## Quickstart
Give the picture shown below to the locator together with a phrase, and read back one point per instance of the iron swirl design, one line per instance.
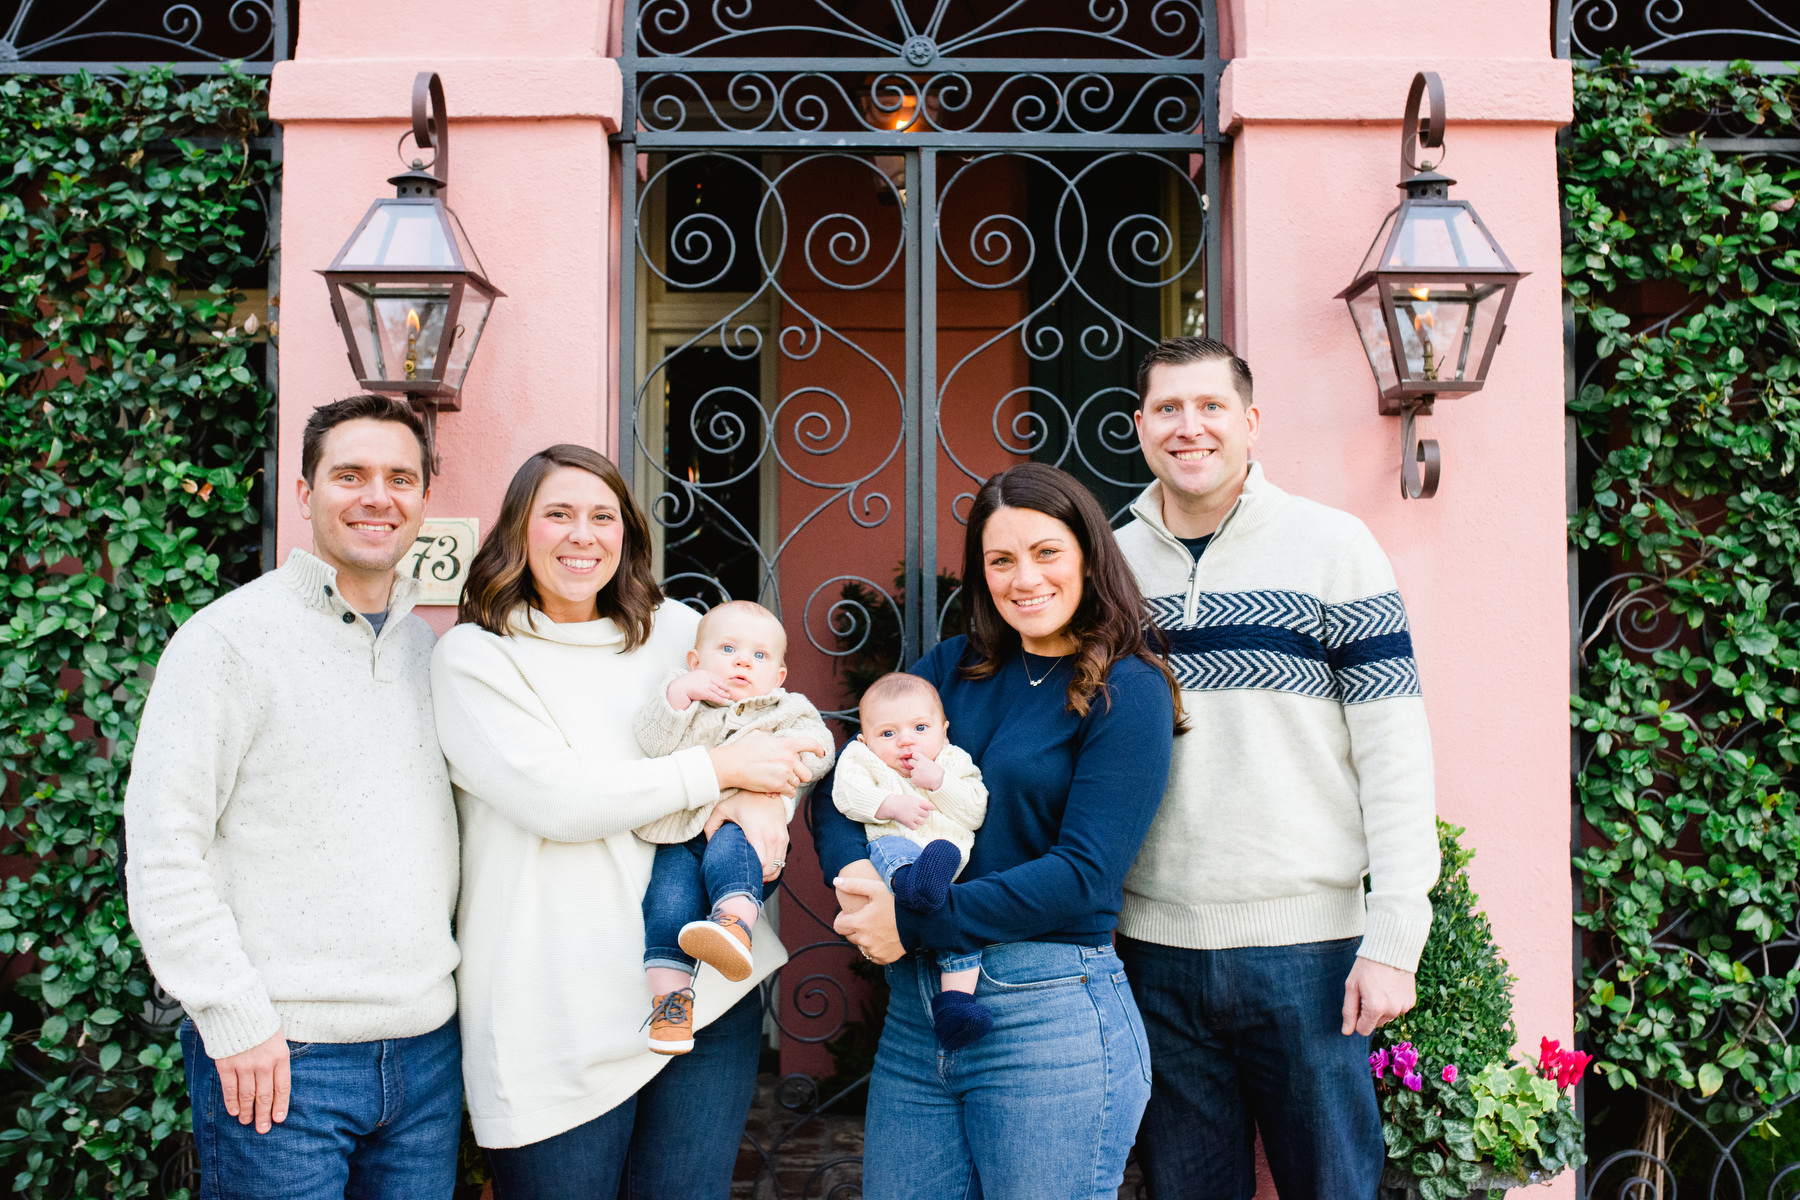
(1665, 29)
(185, 32)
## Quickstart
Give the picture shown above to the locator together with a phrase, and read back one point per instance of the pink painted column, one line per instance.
(1314, 98)
(532, 98)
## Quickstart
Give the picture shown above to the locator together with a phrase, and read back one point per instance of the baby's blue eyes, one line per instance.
(886, 733)
(760, 654)
(921, 727)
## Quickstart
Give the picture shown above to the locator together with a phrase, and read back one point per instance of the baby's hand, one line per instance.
(909, 811)
(924, 771)
(697, 685)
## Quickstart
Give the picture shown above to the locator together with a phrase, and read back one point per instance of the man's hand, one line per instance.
(1375, 994)
(909, 811)
(924, 772)
(697, 685)
(862, 868)
(256, 1083)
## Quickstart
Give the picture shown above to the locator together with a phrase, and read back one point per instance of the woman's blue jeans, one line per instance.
(1046, 1105)
(678, 1137)
(1249, 1040)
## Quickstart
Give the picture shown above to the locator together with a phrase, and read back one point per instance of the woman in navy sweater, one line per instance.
(1058, 698)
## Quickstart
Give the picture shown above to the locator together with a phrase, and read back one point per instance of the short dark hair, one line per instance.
(500, 573)
(1176, 352)
(366, 407)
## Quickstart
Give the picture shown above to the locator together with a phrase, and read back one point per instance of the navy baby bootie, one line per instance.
(925, 885)
(959, 1020)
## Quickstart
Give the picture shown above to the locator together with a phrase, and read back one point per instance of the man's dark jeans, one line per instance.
(1247, 1040)
(368, 1121)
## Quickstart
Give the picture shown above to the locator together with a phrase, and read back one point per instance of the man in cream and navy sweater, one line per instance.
(1258, 962)
(292, 867)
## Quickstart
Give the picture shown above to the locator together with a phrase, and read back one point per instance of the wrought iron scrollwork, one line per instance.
(99, 33)
(1680, 29)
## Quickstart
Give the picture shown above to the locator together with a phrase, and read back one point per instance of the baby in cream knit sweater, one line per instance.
(920, 800)
(705, 894)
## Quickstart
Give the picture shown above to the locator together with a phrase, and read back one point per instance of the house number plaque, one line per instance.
(440, 556)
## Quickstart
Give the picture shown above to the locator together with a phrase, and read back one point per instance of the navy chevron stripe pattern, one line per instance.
(1260, 669)
(1290, 642)
(1380, 680)
(1361, 619)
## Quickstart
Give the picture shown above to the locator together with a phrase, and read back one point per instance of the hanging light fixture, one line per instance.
(1431, 296)
(408, 291)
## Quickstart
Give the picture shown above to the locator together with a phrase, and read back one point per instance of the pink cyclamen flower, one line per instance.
(1405, 1058)
(1378, 1063)
(1413, 1081)
(1450, 1073)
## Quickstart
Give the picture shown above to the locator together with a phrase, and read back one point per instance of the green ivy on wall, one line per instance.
(131, 417)
(1690, 687)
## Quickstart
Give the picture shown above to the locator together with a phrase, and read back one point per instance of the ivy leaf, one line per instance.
(1711, 1078)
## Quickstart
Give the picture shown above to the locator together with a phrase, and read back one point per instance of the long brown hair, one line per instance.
(1111, 620)
(500, 576)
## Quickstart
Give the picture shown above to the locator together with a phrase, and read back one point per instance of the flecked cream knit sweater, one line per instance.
(550, 782)
(664, 729)
(291, 836)
(1309, 761)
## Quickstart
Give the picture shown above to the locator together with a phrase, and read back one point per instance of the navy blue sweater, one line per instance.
(1069, 801)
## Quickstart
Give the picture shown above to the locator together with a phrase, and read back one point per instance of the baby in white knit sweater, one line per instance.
(920, 800)
(705, 894)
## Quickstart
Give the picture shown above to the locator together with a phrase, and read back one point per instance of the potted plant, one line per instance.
(1460, 1116)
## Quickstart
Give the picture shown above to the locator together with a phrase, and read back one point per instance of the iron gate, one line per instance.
(878, 251)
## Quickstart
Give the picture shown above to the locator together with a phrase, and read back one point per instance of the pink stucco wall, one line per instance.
(1313, 100)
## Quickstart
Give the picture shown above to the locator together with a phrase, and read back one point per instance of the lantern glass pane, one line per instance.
(1365, 310)
(1441, 236)
(1372, 259)
(1444, 327)
(469, 322)
(401, 235)
(470, 261)
(398, 327)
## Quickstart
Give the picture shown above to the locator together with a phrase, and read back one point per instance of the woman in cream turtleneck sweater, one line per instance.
(561, 637)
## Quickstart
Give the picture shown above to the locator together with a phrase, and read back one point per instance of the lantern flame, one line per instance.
(412, 321)
(411, 366)
(1419, 293)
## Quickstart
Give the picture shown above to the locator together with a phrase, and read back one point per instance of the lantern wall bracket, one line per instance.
(1417, 453)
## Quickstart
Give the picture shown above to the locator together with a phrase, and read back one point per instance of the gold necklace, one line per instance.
(1045, 675)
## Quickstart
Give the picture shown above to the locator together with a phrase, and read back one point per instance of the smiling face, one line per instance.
(1196, 432)
(902, 723)
(744, 645)
(573, 540)
(365, 501)
(1032, 563)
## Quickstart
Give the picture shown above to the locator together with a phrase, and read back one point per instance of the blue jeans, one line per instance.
(367, 1121)
(887, 855)
(1046, 1105)
(1248, 1040)
(678, 1137)
(687, 881)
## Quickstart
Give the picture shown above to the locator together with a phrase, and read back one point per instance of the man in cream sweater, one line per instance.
(292, 866)
(1259, 966)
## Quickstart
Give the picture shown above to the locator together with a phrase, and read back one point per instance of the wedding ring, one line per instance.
(779, 863)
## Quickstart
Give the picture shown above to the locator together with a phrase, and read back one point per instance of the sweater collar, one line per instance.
(530, 622)
(314, 581)
(1258, 499)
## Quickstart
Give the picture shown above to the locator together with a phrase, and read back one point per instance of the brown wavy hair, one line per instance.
(500, 575)
(1111, 623)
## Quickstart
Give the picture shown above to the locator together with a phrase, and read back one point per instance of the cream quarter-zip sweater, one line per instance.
(550, 782)
(1308, 764)
(292, 839)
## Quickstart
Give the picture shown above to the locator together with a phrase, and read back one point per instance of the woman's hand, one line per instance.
(764, 820)
(762, 762)
(870, 924)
